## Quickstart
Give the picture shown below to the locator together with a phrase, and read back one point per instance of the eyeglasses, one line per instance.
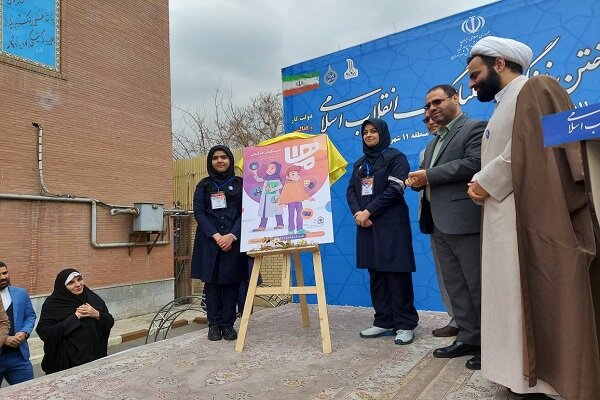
(435, 102)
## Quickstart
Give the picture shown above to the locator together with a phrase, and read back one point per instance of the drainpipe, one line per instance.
(43, 189)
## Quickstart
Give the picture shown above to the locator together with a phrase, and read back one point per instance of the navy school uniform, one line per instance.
(385, 248)
(387, 245)
(222, 272)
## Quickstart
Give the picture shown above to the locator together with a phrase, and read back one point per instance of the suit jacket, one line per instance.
(23, 315)
(450, 209)
(4, 325)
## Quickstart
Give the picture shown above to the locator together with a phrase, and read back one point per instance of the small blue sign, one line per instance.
(572, 126)
(30, 31)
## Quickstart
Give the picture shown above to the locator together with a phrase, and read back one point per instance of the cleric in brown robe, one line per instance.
(540, 297)
(559, 271)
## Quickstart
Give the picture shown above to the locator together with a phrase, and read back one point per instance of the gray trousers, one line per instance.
(442, 285)
(459, 259)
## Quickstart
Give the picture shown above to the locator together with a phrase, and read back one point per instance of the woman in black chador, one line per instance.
(216, 258)
(383, 239)
(74, 324)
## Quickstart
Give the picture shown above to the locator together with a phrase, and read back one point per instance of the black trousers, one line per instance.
(393, 299)
(221, 301)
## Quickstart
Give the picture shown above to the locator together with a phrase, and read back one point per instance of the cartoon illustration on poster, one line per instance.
(286, 193)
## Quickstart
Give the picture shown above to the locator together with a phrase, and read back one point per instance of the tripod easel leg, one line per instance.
(322, 302)
(239, 344)
(300, 282)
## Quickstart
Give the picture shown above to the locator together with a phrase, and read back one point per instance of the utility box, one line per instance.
(150, 217)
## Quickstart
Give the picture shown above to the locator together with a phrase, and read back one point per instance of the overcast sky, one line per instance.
(242, 45)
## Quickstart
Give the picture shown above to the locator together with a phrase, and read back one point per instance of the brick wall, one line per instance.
(107, 135)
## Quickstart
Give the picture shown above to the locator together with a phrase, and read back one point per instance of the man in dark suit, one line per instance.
(449, 163)
(15, 366)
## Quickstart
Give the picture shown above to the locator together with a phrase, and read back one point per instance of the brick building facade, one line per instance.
(106, 135)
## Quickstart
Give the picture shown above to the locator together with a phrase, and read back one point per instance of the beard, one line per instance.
(487, 89)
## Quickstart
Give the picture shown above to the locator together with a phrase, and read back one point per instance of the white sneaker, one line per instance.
(376, 331)
(404, 337)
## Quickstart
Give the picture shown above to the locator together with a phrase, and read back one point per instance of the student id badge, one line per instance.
(217, 200)
(367, 186)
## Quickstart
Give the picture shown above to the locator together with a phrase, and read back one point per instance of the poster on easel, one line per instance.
(286, 193)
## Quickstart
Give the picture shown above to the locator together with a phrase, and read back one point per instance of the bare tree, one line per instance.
(229, 124)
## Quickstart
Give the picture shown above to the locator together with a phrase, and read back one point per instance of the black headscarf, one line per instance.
(275, 176)
(220, 177)
(62, 303)
(372, 153)
(69, 341)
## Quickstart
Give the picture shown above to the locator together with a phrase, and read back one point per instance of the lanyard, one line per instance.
(368, 167)
(223, 184)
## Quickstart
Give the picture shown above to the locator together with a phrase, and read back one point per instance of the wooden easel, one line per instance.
(286, 289)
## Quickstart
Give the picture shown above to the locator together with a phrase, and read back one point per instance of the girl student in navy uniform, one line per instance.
(216, 258)
(383, 236)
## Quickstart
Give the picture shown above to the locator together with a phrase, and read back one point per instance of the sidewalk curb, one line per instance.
(114, 340)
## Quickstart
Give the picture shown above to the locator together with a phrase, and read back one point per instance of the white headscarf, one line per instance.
(508, 49)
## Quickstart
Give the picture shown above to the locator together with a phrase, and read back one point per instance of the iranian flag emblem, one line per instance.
(295, 84)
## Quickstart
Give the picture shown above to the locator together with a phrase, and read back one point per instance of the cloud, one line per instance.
(241, 46)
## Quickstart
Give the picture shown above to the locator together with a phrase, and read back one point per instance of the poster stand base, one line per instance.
(287, 289)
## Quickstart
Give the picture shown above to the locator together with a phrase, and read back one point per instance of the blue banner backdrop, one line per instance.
(30, 31)
(388, 78)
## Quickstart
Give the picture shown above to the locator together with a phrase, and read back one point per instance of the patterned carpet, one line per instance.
(281, 360)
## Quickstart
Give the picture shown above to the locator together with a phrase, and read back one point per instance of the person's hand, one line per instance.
(217, 237)
(417, 179)
(368, 223)
(15, 341)
(87, 311)
(476, 192)
(225, 242)
(361, 217)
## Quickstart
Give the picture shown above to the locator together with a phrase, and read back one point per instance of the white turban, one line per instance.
(508, 49)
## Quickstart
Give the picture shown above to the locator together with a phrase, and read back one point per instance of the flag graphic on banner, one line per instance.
(301, 83)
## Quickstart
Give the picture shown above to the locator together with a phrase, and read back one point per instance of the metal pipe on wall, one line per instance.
(93, 203)
(40, 129)
(121, 211)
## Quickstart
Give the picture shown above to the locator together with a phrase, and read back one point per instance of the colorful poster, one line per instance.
(286, 193)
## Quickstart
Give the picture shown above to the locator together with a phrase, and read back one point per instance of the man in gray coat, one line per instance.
(454, 221)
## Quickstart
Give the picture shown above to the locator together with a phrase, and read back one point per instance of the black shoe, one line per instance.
(528, 396)
(474, 363)
(456, 349)
(229, 333)
(214, 333)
